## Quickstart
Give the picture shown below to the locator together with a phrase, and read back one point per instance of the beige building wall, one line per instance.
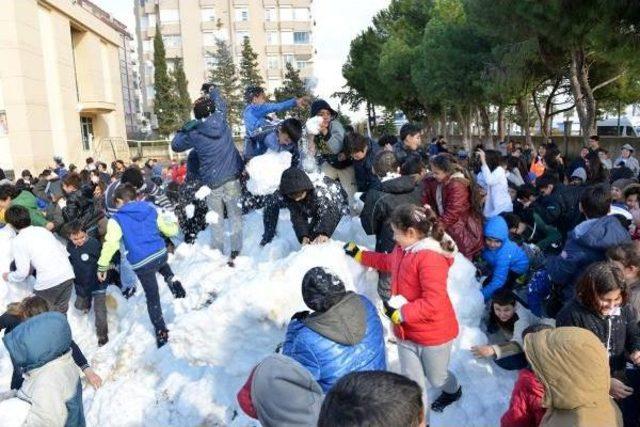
(59, 63)
(190, 27)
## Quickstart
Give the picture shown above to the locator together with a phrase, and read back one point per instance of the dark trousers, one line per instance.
(98, 299)
(147, 277)
(512, 363)
(58, 297)
(272, 205)
(630, 406)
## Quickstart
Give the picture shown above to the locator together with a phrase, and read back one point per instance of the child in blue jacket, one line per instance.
(138, 225)
(506, 262)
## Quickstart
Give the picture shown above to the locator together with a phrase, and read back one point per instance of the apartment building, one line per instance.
(280, 32)
(60, 83)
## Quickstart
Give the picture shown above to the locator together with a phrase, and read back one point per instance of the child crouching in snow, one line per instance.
(138, 225)
(425, 323)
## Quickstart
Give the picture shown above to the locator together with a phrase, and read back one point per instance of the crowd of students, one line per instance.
(553, 245)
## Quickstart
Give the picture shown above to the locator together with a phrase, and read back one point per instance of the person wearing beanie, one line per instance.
(617, 190)
(626, 157)
(316, 208)
(281, 392)
(342, 334)
(330, 149)
(578, 176)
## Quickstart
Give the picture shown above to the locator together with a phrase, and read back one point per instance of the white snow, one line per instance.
(190, 210)
(313, 125)
(230, 320)
(265, 172)
(211, 217)
(202, 192)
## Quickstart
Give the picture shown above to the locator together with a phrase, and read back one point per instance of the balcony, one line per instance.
(295, 3)
(269, 3)
(302, 51)
(273, 48)
(241, 25)
(209, 26)
(271, 26)
(296, 25)
(274, 73)
(173, 52)
(170, 29)
(207, 2)
(240, 2)
(96, 107)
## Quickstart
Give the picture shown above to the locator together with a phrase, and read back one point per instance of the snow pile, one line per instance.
(230, 320)
(265, 172)
(202, 192)
(211, 217)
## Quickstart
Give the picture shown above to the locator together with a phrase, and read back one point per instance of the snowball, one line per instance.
(266, 170)
(13, 412)
(202, 193)
(313, 125)
(397, 301)
(211, 217)
(190, 210)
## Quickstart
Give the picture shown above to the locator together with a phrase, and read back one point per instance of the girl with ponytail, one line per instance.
(420, 309)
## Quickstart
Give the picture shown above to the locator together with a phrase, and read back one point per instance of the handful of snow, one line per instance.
(313, 125)
(211, 217)
(265, 172)
(202, 192)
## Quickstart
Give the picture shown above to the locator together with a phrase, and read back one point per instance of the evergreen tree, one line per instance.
(387, 125)
(225, 77)
(293, 87)
(163, 105)
(183, 101)
(249, 72)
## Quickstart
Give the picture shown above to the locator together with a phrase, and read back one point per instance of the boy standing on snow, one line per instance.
(138, 225)
(84, 252)
(37, 248)
(220, 164)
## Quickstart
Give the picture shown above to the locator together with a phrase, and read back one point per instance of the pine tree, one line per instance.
(249, 72)
(164, 104)
(293, 87)
(225, 77)
(183, 101)
(387, 125)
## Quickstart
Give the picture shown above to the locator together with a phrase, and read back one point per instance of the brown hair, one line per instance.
(449, 165)
(422, 219)
(34, 305)
(628, 254)
(73, 180)
(15, 309)
(599, 279)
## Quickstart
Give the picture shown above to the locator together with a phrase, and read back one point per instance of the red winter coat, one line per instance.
(459, 221)
(419, 274)
(525, 408)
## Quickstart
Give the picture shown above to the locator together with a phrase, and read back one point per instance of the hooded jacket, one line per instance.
(211, 138)
(561, 208)
(329, 146)
(572, 365)
(363, 170)
(455, 212)
(403, 153)
(346, 338)
(525, 406)
(380, 203)
(419, 273)
(619, 333)
(255, 114)
(40, 347)
(586, 244)
(28, 201)
(507, 258)
(322, 208)
(281, 393)
(80, 207)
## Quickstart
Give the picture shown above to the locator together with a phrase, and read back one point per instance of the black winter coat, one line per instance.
(79, 206)
(617, 333)
(561, 208)
(380, 202)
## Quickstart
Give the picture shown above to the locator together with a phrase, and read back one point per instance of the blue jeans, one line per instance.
(147, 276)
(128, 277)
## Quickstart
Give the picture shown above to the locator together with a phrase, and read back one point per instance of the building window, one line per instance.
(152, 20)
(86, 127)
(208, 14)
(209, 61)
(4, 125)
(301, 37)
(151, 92)
(301, 65)
(287, 37)
(209, 38)
(144, 22)
(147, 46)
(270, 15)
(172, 42)
(242, 14)
(286, 14)
(169, 16)
(272, 38)
(274, 62)
(301, 14)
(240, 35)
(288, 58)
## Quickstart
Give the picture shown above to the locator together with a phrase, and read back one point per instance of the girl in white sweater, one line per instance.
(493, 177)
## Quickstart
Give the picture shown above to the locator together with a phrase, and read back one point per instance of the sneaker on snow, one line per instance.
(162, 337)
(176, 289)
(129, 292)
(446, 399)
(232, 257)
(264, 242)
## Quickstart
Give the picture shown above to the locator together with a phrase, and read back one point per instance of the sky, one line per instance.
(337, 23)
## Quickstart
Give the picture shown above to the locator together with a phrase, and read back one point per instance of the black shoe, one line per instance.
(102, 341)
(264, 242)
(232, 257)
(129, 292)
(162, 337)
(176, 289)
(445, 400)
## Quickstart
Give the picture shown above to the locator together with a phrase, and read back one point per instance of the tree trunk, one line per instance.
(501, 132)
(582, 93)
(464, 123)
(522, 106)
(444, 129)
(485, 120)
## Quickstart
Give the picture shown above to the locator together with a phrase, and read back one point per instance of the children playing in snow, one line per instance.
(138, 226)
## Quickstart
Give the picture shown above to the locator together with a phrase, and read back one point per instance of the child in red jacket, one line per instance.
(420, 309)
(525, 407)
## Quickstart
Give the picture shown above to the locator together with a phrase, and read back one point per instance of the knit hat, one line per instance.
(294, 180)
(627, 147)
(321, 104)
(321, 289)
(580, 173)
(623, 183)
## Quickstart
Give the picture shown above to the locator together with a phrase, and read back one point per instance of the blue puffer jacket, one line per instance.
(140, 234)
(347, 338)
(255, 114)
(255, 147)
(587, 243)
(509, 257)
(41, 348)
(211, 138)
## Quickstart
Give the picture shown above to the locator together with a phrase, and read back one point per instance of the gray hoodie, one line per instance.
(285, 394)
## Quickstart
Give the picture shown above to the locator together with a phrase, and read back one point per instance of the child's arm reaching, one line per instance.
(110, 246)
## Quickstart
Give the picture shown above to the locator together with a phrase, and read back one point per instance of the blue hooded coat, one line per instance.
(140, 234)
(255, 114)
(509, 257)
